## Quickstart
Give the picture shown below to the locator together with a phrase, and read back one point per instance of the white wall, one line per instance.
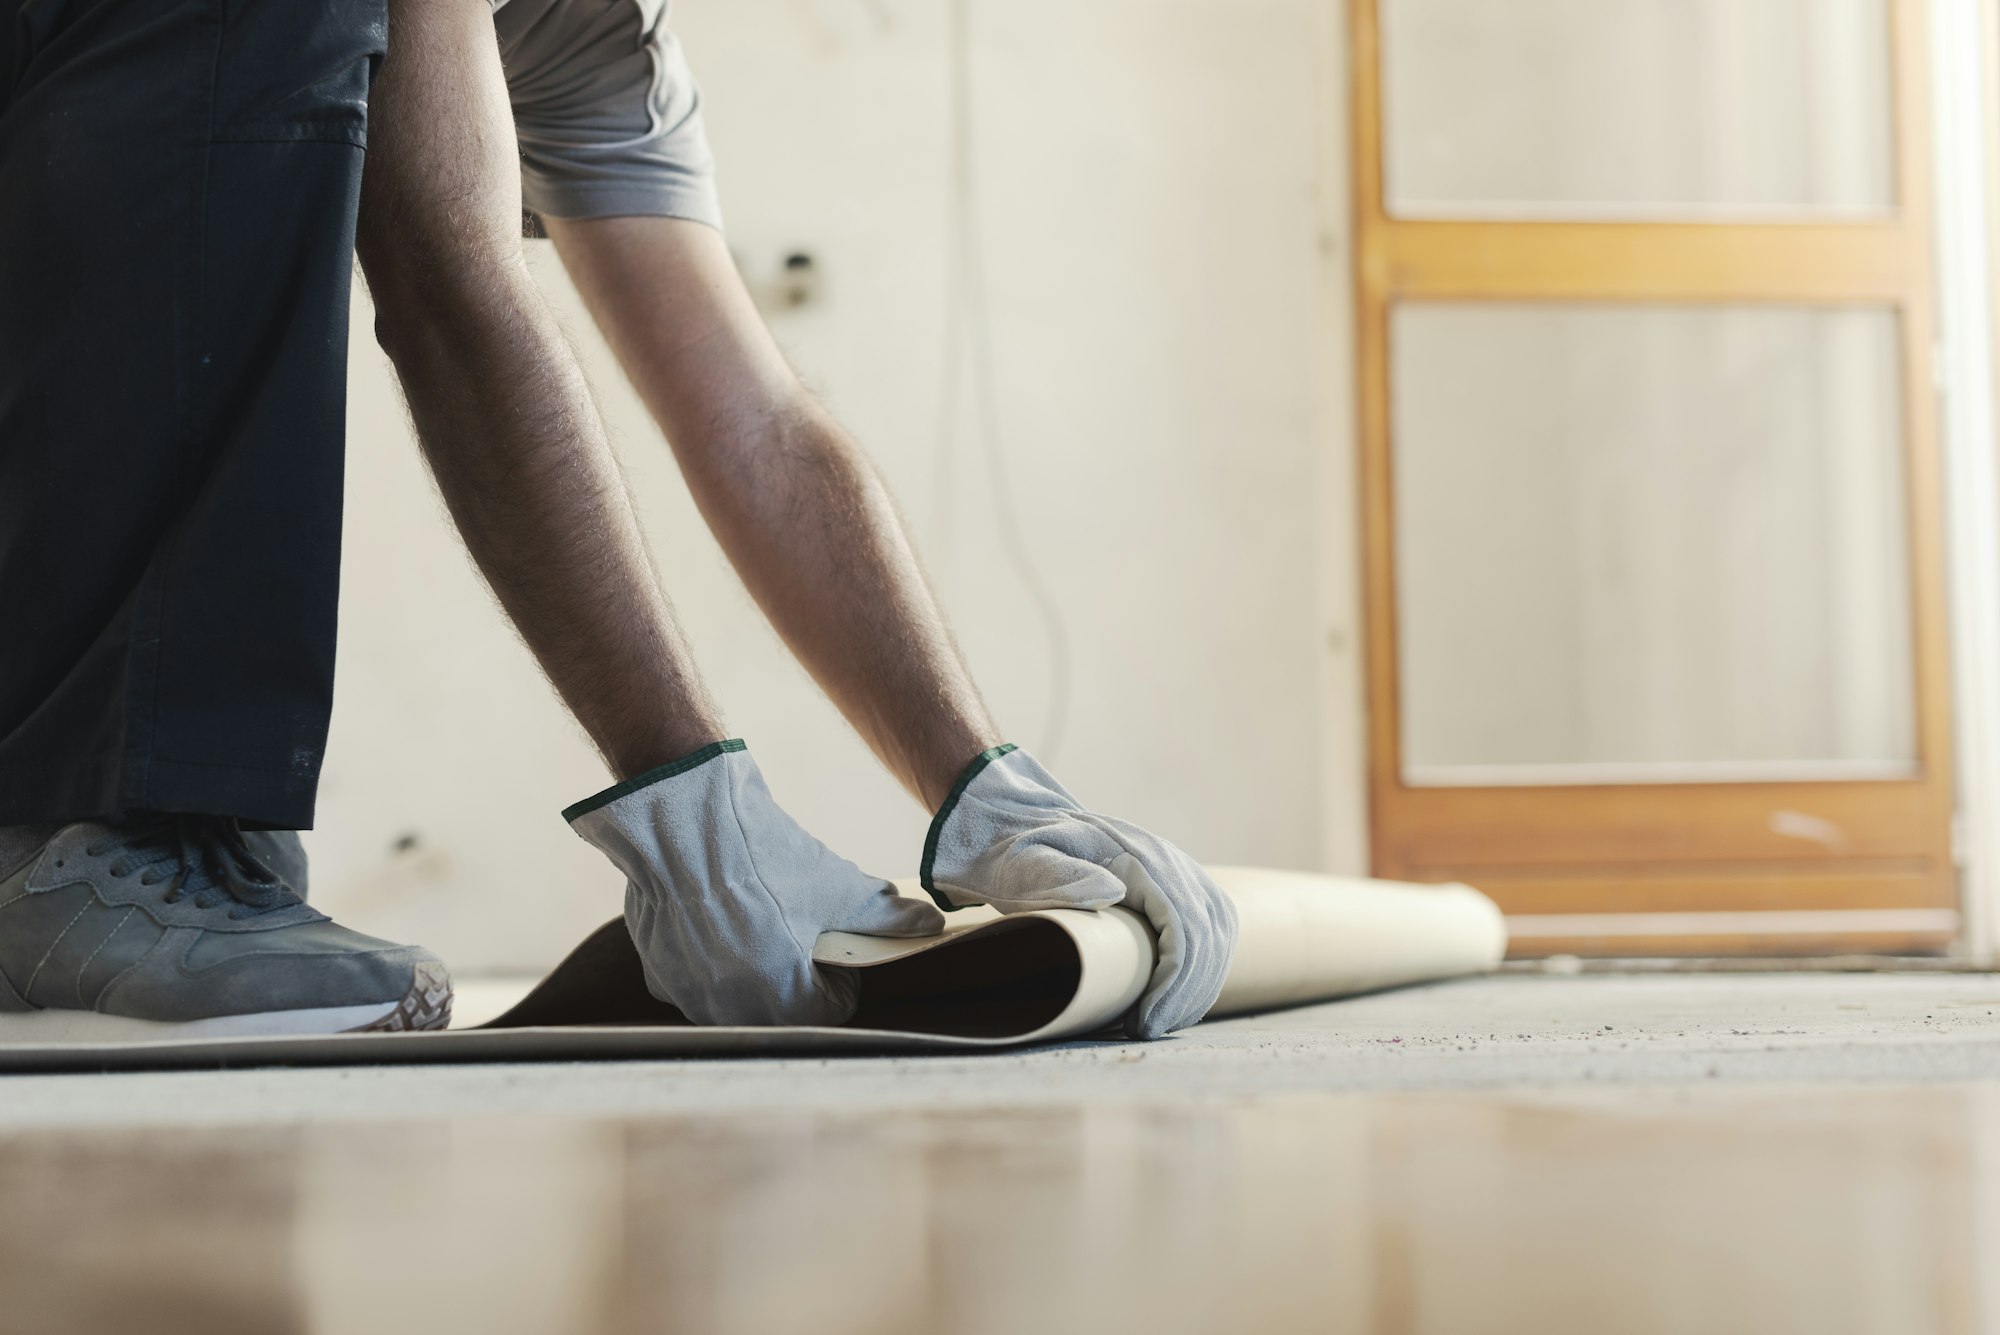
(1164, 213)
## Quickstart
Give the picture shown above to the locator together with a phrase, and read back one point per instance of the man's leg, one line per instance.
(178, 184)
(500, 404)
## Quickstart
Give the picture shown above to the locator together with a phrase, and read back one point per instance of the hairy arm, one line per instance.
(796, 505)
(500, 405)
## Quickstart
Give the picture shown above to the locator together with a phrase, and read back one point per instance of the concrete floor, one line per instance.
(1507, 1032)
(1513, 1154)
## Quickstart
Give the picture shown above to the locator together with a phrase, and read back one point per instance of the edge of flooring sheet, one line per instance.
(1004, 981)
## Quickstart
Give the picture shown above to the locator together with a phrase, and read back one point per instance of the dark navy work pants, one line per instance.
(178, 185)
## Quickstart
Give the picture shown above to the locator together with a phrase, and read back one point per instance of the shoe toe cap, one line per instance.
(319, 965)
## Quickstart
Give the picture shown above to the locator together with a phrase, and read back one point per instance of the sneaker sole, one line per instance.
(427, 1005)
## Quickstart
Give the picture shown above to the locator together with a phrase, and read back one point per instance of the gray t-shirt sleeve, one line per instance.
(606, 111)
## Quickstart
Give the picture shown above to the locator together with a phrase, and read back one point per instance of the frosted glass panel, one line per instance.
(1590, 108)
(1649, 543)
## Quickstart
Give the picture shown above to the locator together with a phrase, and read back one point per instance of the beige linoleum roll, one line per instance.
(1303, 937)
(1306, 937)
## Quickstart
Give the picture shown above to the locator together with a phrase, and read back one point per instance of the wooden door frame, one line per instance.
(1965, 55)
(1687, 860)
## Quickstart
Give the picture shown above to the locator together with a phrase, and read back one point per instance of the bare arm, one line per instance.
(500, 405)
(796, 505)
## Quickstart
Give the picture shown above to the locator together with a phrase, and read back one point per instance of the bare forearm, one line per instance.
(534, 490)
(809, 525)
(797, 507)
(500, 405)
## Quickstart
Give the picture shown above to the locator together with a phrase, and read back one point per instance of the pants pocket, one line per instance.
(299, 69)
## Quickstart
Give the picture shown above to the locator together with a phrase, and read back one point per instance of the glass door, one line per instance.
(1649, 476)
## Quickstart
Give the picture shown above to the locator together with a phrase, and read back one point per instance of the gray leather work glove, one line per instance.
(725, 893)
(1011, 836)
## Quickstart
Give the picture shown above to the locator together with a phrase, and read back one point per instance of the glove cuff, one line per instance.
(692, 760)
(964, 781)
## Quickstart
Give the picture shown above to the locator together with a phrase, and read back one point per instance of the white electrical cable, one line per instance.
(969, 333)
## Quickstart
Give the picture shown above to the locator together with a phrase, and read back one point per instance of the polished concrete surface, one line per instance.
(1809, 1154)
(1823, 1210)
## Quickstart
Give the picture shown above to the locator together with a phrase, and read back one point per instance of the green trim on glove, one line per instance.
(653, 776)
(979, 762)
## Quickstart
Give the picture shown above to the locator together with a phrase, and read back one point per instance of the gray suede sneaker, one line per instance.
(170, 927)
